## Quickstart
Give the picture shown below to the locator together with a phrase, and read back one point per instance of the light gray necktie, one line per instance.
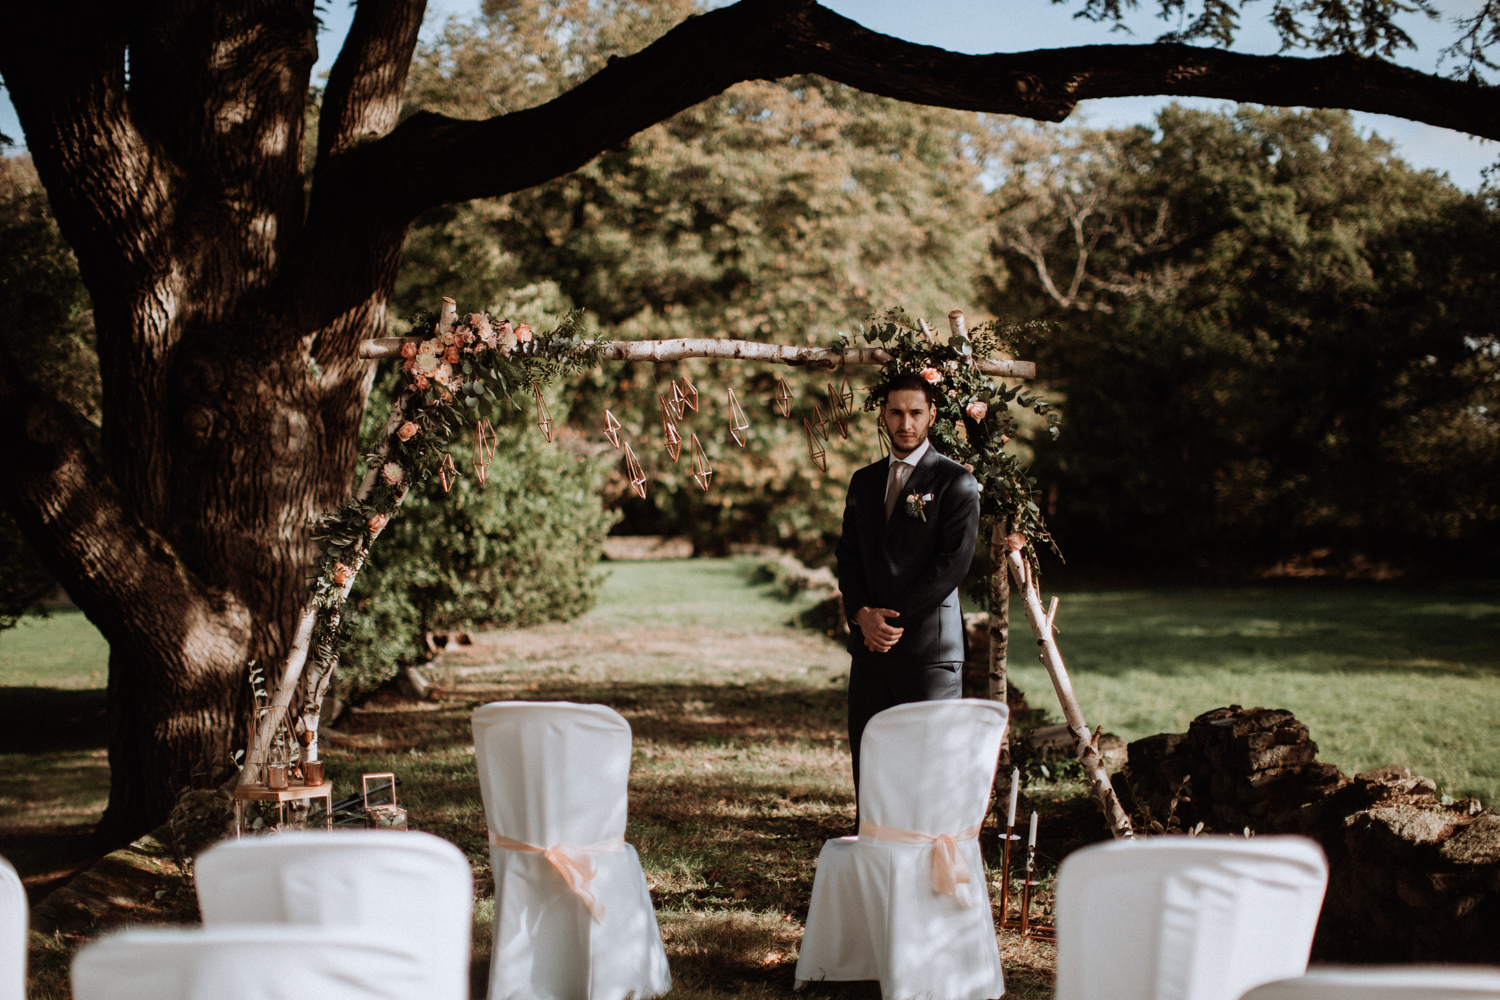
(900, 471)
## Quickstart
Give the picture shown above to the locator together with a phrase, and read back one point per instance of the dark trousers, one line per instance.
(877, 683)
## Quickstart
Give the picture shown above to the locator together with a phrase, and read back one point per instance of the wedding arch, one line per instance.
(465, 364)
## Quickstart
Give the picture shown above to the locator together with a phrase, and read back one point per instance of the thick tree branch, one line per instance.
(431, 159)
(365, 85)
(119, 572)
(64, 66)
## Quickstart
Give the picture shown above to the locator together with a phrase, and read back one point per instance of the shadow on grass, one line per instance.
(43, 720)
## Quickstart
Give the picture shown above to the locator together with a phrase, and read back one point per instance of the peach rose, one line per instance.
(977, 409)
(451, 355)
(932, 375)
(421, 382)
(408, 350)
(393, 473)
(523, 333)
(1015, 542)
(377, 523)
(407, 431)
(342, 574)
(409, 365)
(447, 338)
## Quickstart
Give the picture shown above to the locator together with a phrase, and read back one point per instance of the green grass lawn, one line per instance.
(1380, 673)
(63, 650)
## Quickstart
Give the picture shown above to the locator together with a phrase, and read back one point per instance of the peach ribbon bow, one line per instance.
(573, 863)
(950, 876)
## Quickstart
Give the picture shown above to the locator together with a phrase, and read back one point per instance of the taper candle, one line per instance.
(1015, 791)
(1031, 841)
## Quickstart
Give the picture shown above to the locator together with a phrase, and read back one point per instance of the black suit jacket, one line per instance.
(911, 566)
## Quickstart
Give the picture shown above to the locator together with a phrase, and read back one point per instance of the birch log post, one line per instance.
(291, 673)
(1088, 751)
(998, 686)
(732, 350)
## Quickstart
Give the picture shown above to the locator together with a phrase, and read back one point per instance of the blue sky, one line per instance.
(1018, 25)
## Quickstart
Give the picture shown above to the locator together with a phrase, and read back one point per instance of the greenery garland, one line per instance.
(974, 419)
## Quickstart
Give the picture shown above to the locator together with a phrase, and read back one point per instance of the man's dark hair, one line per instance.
(903, 382)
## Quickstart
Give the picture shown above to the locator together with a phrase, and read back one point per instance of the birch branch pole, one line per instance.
(730, 350)
(1085, 744)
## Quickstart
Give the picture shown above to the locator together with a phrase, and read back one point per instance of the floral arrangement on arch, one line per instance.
(974, 419)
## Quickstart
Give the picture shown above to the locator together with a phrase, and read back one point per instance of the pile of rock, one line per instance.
(1412, 879)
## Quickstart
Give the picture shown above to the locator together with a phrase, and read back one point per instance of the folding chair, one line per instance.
(1396, 982)
(13, 917)
(573, 914)
(408, 887)
(906, 901)
(1186, 918)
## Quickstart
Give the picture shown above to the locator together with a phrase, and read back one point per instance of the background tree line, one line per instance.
(1270, 336)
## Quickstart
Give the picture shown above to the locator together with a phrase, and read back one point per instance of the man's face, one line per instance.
(908, 417)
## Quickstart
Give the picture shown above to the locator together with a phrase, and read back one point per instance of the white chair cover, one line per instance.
(879, 909)
(1186, 918)
(408, 887)
(13, 915)
(554, 778)
(246, 962)
(1396, 982)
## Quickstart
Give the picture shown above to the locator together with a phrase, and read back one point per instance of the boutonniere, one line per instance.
(916, 505)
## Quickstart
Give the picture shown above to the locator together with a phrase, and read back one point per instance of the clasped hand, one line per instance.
(879, 637)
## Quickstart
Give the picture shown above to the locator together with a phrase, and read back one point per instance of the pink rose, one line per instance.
(932, 375)
(377, 523)
(977, 409)
(342, 574)
(1015, 542)
(523, 333)
(393, 473)
(407, 431)
(421, 382)
(409, 350)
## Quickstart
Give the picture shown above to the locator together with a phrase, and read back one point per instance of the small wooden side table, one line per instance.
(281, 796)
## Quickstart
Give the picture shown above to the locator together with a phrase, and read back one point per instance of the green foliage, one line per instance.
(521, 550)
(776, 211)
(1301, 356)
(46, 341)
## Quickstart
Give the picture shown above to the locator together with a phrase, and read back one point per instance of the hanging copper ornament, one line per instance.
(837, 411)
(669, 432)
(447, 472)
(819, 456)
(820, 422)
(635, 473)
(702, 471)
(738, 424)
(612, 429)
(846, 397)
(884, 436)
(677, 400)
(543, 415)
(485, 442)
(689, 394)
(784, 397)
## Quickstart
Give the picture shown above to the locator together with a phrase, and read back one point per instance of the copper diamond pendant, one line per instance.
(689, 394)
(784, 397)
(738, 424)
(447, 472)
(838, 410)
(820, 422)
(484, 449)
(671, 436)
(543, 415)
(819, 456)
(612, 429)
(702, 471)
(677, 400)
(635, 473)
(884, 437)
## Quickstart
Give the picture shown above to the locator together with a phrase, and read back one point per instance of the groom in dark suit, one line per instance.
(910, 523)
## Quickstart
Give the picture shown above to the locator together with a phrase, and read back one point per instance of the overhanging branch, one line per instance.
(431, 159)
